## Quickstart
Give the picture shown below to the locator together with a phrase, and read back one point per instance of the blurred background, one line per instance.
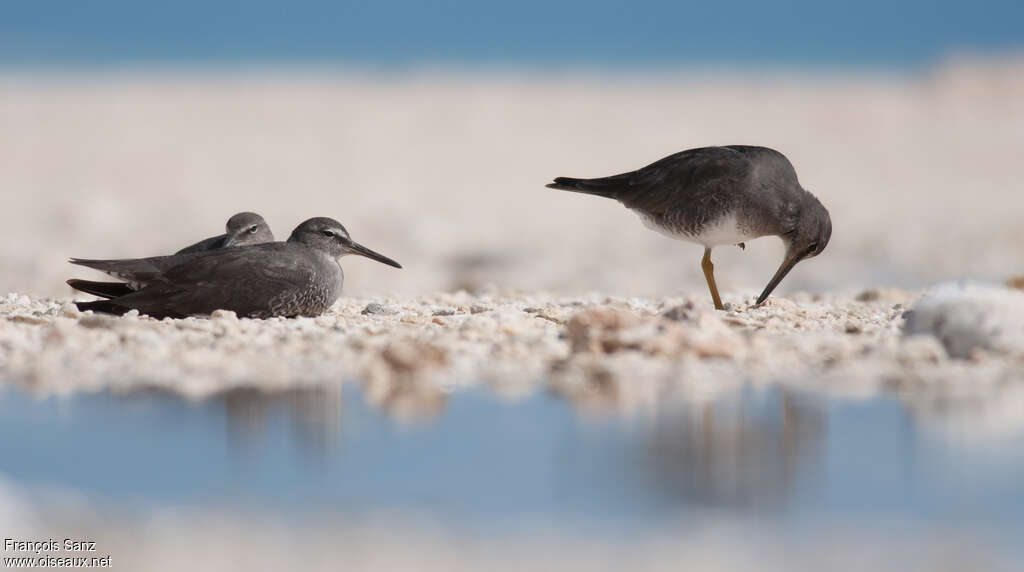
(429, 129)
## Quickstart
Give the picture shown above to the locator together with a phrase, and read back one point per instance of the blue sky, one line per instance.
(649, 33)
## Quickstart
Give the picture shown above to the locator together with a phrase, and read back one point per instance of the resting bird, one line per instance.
(720, 195)
(241, 229)
(299, 277)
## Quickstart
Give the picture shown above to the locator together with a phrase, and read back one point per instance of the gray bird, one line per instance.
(720, 195)
(299, 277)
(241, 229)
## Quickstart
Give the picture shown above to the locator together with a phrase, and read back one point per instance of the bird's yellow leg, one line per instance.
(709, 275)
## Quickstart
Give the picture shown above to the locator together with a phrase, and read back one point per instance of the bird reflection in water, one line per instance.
(314, 414)
(744, 452)
(405, 380)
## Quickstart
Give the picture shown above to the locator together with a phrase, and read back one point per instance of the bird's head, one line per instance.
(327, 235)
(247, 228)
(812, 232)
(808, 238)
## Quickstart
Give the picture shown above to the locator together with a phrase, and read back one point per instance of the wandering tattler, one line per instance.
(299, 277)
(241, 229)
(720, 195)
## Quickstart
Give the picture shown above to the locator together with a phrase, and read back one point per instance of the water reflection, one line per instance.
(742, 452)
(543, 457)
(406, 400)
(972, 417)
(745, 449)
(314, 414)
(406, 381)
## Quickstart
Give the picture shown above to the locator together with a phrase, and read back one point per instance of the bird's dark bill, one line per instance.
(361, 250)
(784, 269)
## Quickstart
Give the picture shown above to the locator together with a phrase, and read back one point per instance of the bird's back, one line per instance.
(689, 192)
(205, 245)
(270, 279)
(685, 176)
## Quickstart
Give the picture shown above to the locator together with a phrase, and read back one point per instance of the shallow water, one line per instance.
(782, 460)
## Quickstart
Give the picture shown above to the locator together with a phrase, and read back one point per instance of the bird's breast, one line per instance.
(725, 229)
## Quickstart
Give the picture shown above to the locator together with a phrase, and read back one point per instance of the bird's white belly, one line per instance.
(725, 230)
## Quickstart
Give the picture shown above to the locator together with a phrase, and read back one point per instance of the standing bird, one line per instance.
(299, 277)
(241, 229)
(720, 195)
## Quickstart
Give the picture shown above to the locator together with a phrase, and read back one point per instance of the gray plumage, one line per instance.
(241, 229)
(299, 277)
(713, 195)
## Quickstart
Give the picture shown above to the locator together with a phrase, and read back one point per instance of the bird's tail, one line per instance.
(609, 187)
(130, 269)
(101, 289)
(102, 306)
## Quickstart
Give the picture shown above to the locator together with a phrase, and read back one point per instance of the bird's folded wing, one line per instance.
(692, 175)
(244, 279)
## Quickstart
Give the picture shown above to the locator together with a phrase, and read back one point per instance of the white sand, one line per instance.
(630, 353)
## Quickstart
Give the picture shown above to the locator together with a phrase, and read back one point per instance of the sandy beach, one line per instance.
(513, 289)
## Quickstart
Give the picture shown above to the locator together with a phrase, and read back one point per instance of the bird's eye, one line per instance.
(813, 247)
(253, 229)
(328, 233)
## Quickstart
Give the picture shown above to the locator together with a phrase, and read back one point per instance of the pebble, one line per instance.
(374, 308)
(70, 310)
(968, 317)
(227, 315)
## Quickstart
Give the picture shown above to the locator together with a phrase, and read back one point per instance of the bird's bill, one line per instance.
(230, 240)
(784, 269)
(356, 248)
